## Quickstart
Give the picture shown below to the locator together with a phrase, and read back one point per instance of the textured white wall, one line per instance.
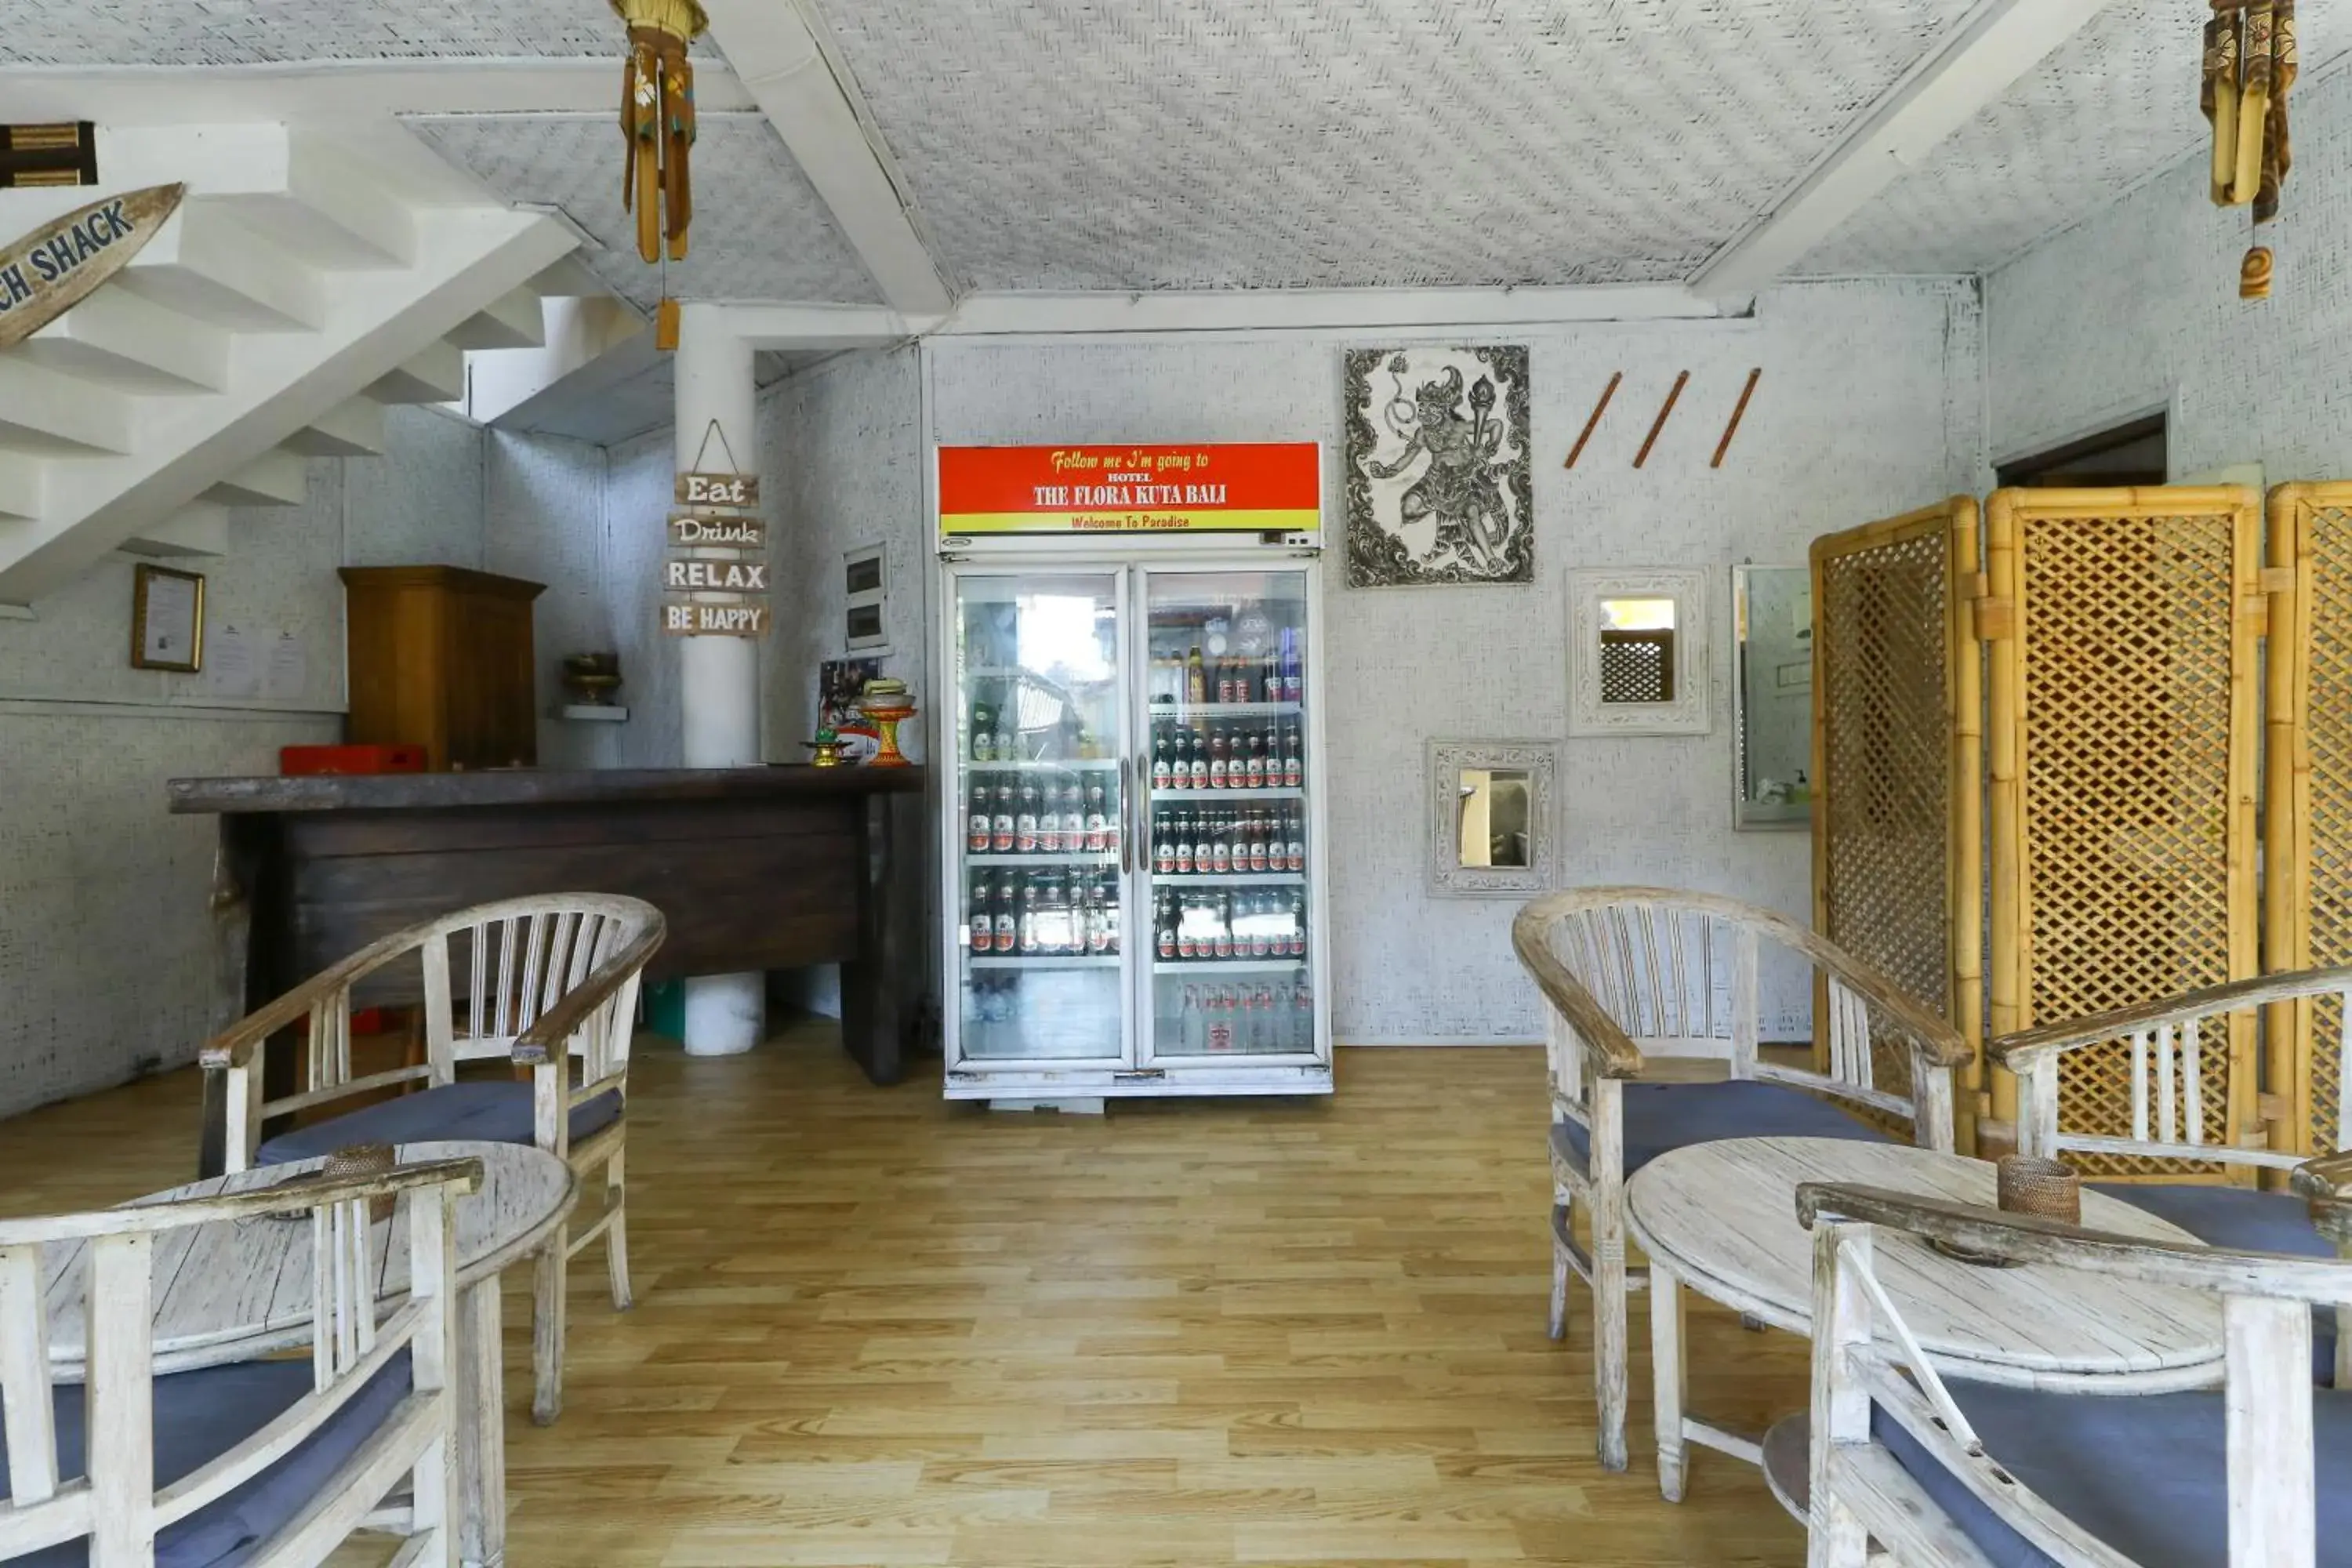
(845, 460)
(105, 958)
(1869, 405)
(2137, 308)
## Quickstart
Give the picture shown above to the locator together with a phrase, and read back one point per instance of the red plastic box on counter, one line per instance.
(299, 761)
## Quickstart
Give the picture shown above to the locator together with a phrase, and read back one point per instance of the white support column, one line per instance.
(719, 675)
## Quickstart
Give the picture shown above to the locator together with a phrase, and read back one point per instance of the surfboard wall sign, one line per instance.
(53, 268)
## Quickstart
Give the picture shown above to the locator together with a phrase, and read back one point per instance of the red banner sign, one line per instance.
(1229, 488)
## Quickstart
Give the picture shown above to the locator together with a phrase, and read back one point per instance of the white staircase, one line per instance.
(305, 282)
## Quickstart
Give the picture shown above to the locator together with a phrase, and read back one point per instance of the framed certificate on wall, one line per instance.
(167, 619)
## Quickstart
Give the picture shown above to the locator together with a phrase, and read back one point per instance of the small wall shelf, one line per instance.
(594, 712)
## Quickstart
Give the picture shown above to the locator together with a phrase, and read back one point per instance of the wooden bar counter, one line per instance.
(755, 869)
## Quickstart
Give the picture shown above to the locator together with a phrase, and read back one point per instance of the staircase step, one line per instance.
(205, 263)
(301, 188)
(353, 429)
(511, 322)
(280, 478)
(45, 412)
(436, 376)
(200, 527)
(20, 486)
(126, 341)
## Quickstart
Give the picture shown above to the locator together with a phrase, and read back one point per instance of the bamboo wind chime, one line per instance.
(657, 120)
(2250, 66)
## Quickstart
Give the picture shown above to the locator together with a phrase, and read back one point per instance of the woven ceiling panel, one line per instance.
(2115, 105)
(255, 32)
(760, 231)
(1203, 144)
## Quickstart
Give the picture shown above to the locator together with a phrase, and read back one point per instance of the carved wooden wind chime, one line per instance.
(657, 123)
(2250, 66)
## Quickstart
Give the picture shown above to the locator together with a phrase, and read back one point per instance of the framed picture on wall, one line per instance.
(167, 619)
(866, 591)
(1439, 486)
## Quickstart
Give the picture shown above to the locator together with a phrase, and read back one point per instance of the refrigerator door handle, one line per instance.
(1126, 816)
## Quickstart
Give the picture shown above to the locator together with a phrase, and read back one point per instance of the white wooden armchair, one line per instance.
(2173, 1118)
(1894, 1463)
(1629, 970)
(541, 982)
(270, 1463)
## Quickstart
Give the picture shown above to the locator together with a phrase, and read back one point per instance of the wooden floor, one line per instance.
(875, 1329)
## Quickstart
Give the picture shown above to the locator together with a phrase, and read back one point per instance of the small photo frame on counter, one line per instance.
(167, 619)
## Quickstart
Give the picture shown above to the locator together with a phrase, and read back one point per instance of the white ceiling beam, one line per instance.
(817, 326)
(1316, 309)
(353, 89)
(1998, 42)
(777, 56)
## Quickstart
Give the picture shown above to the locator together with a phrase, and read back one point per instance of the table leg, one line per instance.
(1666, 1377)
(482, 1415)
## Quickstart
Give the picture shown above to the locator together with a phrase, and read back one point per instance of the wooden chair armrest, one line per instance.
(2022, 1049)
(234, 1045)
(2326, 1178)
(545, 1041)
(1607, 1047)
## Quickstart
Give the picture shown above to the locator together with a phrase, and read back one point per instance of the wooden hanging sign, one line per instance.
(715, 576)
(699, 531)
(718, 489)
(688, 618)
(54, 269)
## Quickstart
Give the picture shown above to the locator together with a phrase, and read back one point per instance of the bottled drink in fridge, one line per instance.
(1097, 821)
(1224, 935)
(1183, 851)
(1217, 760)
(1024, 824)
(1196, 678)
(1254, 769)
(1001, 825)
(1162, 763)
(976, 834)
(1294, 759)
(1197, 754)
(1164, 920)
(1049, 818)
(1295, 851)
(983, 734)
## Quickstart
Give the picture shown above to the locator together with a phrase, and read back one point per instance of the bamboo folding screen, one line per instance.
(2123, 641)
(1897, 761)
(2308, 802)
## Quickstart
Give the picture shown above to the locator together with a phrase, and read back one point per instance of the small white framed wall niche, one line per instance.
(1492, 833)
(1639, 654)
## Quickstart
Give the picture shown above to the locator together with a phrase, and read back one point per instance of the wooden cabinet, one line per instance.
(441, 657)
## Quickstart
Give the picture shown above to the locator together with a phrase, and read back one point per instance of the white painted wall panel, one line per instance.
(1868, 406)
(2137, 307)
(104, 935)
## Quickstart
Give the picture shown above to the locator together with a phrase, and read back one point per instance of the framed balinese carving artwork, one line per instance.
(1441, 486)
(1638, 660)
(1490, 818)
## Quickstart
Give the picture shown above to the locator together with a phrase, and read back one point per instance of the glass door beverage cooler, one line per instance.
(1135, 841)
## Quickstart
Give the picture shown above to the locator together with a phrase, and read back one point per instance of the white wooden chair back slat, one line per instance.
(27, 1419)
(2165, 1046)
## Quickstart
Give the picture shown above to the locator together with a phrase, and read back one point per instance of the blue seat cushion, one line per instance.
(2245, 1220)
(1663, 1116)
(477, 1110)
(199, 1417)
(2147, 1475)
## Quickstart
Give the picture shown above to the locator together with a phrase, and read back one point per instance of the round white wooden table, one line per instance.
(1721, 1218)
(239, 1290)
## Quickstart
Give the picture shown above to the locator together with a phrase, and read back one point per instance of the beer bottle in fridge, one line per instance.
(1164, 920)
(1161, 761)
(1000, 833)
(1199, 749)
(1097, 820)
(1025, 825)
(1196, 678)
(1217, 759)
(1184, 844)
(976, 832)
(1049, 818)
(1294, 759)
(1223, 939)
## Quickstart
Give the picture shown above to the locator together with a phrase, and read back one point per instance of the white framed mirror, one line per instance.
(1771, 697)
(1491, 834)
(1638, 660)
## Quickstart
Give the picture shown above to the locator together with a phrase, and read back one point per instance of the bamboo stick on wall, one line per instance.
(1965, 880)
(2005, 809)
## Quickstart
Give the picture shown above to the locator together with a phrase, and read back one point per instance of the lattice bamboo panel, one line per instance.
(1896, 756)
(2308, 829)
(2125, 631)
